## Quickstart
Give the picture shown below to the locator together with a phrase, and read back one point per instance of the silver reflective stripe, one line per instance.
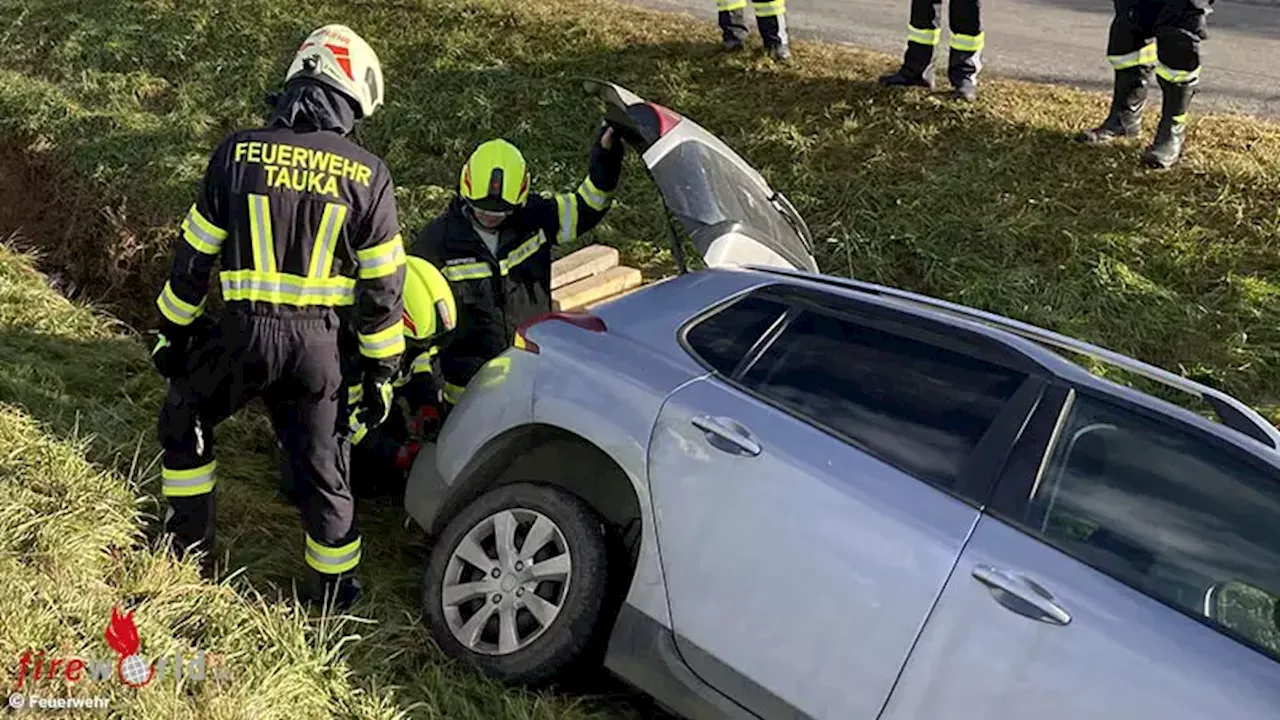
(201, 479)
(325, 560)
(260, 221)
(597, 200)
(524, 252)
(242, 284)
(334, 215)
(194, 228)
(177, 311)
(383, 259)
(381, 344)
(566, 218)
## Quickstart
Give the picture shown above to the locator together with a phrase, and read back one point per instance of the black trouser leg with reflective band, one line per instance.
(967, 41)
(294, 365)
(771, 19)
(925, 32)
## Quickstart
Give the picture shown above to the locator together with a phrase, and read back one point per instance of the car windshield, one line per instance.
(711, 191)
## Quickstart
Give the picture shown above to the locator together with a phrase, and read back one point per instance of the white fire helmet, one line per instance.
(335, 55)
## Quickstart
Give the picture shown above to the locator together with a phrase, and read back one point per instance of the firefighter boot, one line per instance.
(333, 592)
(1167, 147)
(1127, 101)
(773, 30)
(733, 28)
(916, 70)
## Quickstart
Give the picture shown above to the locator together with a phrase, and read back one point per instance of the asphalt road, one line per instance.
(1059, 41)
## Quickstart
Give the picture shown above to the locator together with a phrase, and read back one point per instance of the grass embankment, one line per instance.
(77, 408)
(108, 110)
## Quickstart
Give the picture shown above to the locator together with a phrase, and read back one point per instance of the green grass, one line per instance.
(109, 109)
(77, 519)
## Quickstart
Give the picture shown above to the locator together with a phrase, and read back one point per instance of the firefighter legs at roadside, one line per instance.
(923, 35)
(771, 19)
(293, 365)
(1147, 36)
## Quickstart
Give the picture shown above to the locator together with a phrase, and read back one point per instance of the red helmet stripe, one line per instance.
(343, 56)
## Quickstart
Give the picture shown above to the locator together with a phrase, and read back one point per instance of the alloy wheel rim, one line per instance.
(506, 581)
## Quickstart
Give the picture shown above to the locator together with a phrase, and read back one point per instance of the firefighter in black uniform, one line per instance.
(303, 224)
(494, 244)
(923, 35)
(1159, 35)
(771, 20)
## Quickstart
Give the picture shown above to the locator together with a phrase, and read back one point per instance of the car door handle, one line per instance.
(1021, 595)
(727, 430)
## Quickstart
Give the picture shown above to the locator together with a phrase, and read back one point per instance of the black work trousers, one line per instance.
(771, 20)
(293, 364)
(967, 38)
(1175, 27)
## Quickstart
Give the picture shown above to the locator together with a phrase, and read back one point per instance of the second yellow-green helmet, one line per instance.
(495, 178)
(429, 306)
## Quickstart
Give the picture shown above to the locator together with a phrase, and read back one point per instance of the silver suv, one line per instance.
(759, 492)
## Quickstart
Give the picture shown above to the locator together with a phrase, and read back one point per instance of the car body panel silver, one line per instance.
(1122, 655)
(807, 569)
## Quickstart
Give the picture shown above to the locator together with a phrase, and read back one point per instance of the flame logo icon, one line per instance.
(122, 636)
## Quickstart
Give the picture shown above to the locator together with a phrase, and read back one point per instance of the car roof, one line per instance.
(1242, 426)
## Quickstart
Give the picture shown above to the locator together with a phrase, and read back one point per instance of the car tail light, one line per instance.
(584, 320)
(667, 118)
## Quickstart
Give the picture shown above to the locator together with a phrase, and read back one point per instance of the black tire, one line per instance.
(569, 636)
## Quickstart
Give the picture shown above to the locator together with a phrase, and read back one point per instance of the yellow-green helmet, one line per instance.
(429, 307)
(495, 178)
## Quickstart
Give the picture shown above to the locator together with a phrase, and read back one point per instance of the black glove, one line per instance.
(374, 404)
(169, 354)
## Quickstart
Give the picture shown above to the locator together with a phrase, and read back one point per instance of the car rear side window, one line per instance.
(1168, 512)
(919, 407)
(722, 339)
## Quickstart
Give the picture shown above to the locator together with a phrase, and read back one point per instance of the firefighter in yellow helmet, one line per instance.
(494, 241)
(381, 455)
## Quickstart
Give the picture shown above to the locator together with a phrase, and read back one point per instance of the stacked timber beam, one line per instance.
(590, 276)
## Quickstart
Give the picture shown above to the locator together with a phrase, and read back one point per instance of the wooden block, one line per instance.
(615, 296)
(581, 264)
(595, 288)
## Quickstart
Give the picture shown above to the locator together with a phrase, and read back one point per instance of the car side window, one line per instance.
(723, 338)
(1167, 512)
(912, 404)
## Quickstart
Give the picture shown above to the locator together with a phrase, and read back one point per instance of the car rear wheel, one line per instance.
(516, 583)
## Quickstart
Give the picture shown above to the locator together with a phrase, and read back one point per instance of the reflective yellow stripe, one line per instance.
(968, 43)
(730, 5)
(381, 260)
(1145, 56)
(326, 244)
(177, 310)
(467, 271)
(1179, 119)
(286, 289)
(596, 198)
(421, 364)
(1177, 76)
(358, 429)
(385, 343)
(186, 483)
(523, 252)
(333, 560)
(355, 393)
(264, 246)
(770, 9)
(568, 206)
(452, 393)
(923, 36)
(201, 234)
